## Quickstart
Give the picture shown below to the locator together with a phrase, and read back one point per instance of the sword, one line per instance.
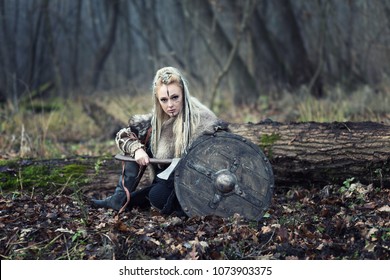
(164, 174)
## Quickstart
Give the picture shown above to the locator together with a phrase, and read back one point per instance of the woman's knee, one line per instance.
(159, 195)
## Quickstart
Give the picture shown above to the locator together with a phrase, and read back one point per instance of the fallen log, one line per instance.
(304, 154)
(313, 154)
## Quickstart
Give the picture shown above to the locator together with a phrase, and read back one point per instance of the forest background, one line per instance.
(249, 60)
(72, 73)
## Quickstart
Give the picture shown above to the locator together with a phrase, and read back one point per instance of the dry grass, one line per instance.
(60, 128)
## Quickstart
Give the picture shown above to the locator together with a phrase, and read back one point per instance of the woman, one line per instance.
(176, 121)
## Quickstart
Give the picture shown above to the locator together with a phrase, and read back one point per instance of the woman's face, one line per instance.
(171, 99)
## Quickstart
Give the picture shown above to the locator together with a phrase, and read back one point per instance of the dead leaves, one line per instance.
(385, 208)
(347, 222)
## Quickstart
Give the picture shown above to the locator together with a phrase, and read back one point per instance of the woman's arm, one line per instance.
(132, 138)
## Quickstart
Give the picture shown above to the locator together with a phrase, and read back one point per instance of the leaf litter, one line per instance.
(333, 222)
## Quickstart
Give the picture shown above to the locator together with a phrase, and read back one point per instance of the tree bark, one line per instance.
(301, 154)
(297, 65)
(49, 35)
(106, 47)
(74, 61)
(312, 153)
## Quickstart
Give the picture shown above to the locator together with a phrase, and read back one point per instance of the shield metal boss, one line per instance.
(223, 174)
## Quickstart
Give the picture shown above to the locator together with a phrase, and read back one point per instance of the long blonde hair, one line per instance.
(186, 121)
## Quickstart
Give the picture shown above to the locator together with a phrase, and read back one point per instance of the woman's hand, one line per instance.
(141, 157)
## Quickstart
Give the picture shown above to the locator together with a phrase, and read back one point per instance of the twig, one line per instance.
(67, 250)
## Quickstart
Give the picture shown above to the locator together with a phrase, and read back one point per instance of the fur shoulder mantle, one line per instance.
(140, 124)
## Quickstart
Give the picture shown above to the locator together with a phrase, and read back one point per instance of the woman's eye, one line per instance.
(175, 97)
(163, 100)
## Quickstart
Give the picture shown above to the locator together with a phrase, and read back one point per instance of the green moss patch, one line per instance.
(45, 176)
(267, 141)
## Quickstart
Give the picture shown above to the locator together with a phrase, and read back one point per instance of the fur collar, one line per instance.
(139, 124)
(166, 146)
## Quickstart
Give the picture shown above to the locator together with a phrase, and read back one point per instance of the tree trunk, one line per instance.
(297, 65)
(305, 154)
(49, 35)
(106, 47)
(323, 153)
(266, 57)
(76, 47)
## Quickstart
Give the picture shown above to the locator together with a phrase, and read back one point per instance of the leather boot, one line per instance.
(118, 199)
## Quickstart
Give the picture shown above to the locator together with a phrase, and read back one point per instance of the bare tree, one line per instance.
(9, 22)
(243, 83)
(223, 45)
(106, 47)
(48, 34)
(76, 45)
(249, 7)
(297, 67)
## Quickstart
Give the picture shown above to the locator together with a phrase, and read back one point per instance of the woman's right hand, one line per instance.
(141, 157)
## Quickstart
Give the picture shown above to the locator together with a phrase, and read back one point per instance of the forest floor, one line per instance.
(347, 220)
(350, 221)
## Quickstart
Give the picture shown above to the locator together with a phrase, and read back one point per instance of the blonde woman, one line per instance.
(176, 121)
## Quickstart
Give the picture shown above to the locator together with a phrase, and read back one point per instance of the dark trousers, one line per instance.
(161, 195)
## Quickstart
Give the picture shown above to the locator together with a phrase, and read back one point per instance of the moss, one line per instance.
(267, 141)
(75, 169)
(8, 163)
(44, 176)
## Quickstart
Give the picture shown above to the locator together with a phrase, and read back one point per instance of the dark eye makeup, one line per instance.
(173, 97)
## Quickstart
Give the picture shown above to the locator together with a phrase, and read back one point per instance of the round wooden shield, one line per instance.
(223, 174)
